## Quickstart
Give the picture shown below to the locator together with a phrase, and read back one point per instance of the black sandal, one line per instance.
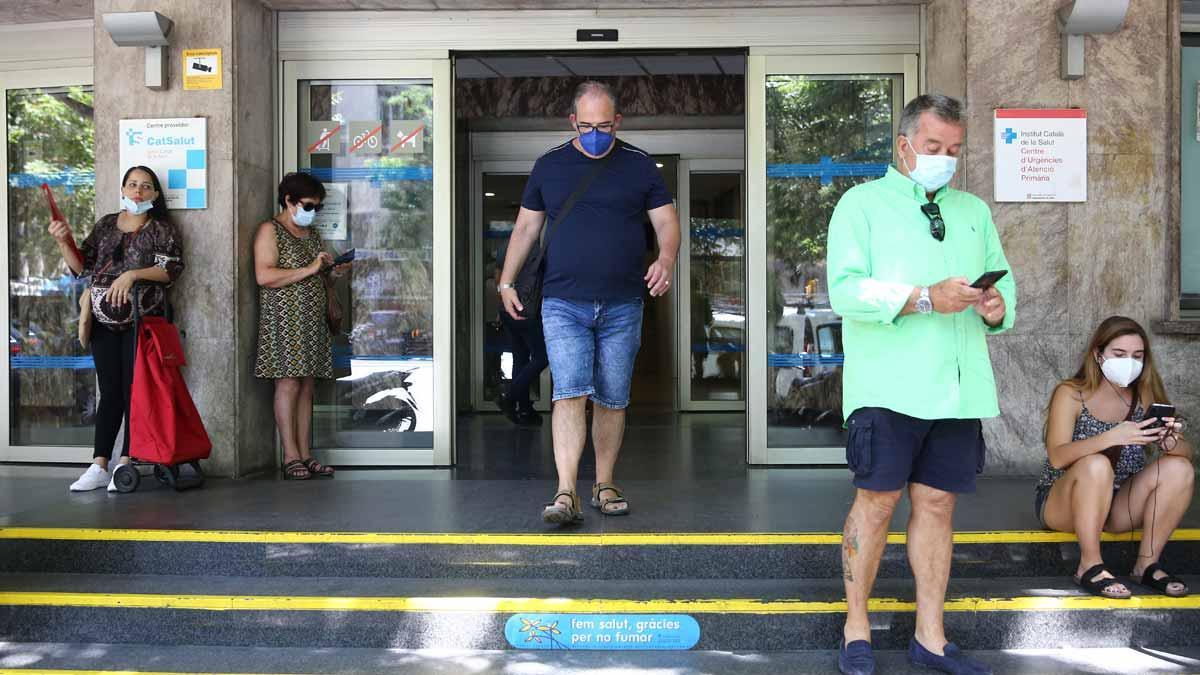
(1089, 583)
(317, 469)
(295, 470)
(603, 504)
(1162, 583)
(557, 513)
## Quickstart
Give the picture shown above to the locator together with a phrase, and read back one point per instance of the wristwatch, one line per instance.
(924, 304)
(501, 287)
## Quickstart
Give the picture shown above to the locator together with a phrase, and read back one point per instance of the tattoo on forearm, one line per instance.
(849, 549)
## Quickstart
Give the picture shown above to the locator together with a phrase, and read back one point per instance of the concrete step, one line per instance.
(135, 658)
(729, 614)
(562, 555)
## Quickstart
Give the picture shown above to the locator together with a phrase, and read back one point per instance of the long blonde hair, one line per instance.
(1147, 388)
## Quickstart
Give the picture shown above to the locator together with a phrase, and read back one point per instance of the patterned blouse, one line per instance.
(108, 253)
(1133, 457)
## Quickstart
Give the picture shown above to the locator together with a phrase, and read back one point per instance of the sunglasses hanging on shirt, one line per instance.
(937, 226)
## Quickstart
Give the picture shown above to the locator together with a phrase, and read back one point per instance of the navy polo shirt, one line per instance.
(598, 252)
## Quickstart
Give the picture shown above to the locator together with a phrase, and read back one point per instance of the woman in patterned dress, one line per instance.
(1096, 477)
(136, 245)
(295, 278)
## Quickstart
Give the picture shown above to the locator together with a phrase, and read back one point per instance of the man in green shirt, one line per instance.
(903, 253)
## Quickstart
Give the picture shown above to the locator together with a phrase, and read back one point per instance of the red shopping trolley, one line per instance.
(165, 430)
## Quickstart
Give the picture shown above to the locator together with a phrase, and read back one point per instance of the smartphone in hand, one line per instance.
(989, 279)
(1157, 412)
(344, 258)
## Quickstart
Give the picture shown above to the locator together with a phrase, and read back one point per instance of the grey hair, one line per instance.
(594, 87)
(946, 108)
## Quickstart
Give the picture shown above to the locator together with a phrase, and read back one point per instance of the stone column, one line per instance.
(215, 299)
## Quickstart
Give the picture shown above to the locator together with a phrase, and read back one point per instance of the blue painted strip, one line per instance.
(717, 232)
(804, 360)
(373, 174)
(342, 358)
(610, 632)
(701, 347)
(497, 234)
(52, 363)
(826, 170)
(65, 177)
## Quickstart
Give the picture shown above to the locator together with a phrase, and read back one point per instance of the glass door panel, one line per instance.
(51, 381)
(825, 129)
(715, 306)
(497, 206)
(380, 146)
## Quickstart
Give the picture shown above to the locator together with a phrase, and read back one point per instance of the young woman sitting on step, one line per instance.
(1099, 431)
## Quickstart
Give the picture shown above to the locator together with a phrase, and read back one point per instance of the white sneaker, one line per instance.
(92, 479)
(112, 482)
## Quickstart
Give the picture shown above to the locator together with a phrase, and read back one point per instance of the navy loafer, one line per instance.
(856, 658)
(953, 661)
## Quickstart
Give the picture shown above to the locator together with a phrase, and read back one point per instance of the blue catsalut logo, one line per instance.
(1009, 136)
(133, 137)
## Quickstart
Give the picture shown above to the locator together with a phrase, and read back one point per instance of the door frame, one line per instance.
(683, 333)
(758, 67)
(9, 80)
(438, 71)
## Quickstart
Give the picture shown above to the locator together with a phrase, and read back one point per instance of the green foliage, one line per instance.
(49, 131)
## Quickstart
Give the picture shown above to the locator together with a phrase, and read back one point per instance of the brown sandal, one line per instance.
(603, 504)
(295, 470)
(317, 469)
(557, 513)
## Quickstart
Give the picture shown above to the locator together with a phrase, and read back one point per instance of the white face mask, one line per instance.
(136, 208)
(932, 172)
(1122, 371)
(303, 218)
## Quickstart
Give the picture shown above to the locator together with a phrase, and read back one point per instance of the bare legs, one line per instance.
(570, 435)
(293, 416)
(1079, 502)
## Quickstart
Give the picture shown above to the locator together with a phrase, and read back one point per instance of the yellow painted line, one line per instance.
(496, 605)
(539, 539)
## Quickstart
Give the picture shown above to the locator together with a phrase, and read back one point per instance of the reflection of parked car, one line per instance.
(810, 389)
(387, 402)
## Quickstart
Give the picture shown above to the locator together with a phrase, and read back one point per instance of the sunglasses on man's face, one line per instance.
(311, 206)
(937, 226)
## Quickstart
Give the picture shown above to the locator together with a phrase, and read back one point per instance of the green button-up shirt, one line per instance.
(933, 366)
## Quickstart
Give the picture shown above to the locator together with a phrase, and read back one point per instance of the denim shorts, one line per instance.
(887, 450)
(592, 346)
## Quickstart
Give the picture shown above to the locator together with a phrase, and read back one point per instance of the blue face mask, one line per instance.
(303, 218)
(596, 142)
(136, 208)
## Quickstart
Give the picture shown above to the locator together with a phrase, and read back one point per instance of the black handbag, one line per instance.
(533, 273)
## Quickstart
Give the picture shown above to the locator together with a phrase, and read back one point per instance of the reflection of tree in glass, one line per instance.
(846, 120)
(51, 140)
(401, 281)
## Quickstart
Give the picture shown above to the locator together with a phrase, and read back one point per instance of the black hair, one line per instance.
(299, 185)
(159, 209)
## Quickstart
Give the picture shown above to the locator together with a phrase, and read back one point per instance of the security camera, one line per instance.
(138, 29)
(143, 29)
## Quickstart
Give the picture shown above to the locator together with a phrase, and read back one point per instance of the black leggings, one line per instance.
(113, 352)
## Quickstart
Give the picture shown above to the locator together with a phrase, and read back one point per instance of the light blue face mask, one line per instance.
(932, 172)
(136, 208)
(303, 218)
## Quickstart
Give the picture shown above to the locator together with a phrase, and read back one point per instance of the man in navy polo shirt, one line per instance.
(595, 281)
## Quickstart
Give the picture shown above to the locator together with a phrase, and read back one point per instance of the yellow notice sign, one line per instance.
(202, 69)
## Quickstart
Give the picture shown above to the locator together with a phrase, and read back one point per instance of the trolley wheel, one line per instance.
(126, 478)
(162, 475)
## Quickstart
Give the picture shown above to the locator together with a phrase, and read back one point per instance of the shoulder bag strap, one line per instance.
(579, 190)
